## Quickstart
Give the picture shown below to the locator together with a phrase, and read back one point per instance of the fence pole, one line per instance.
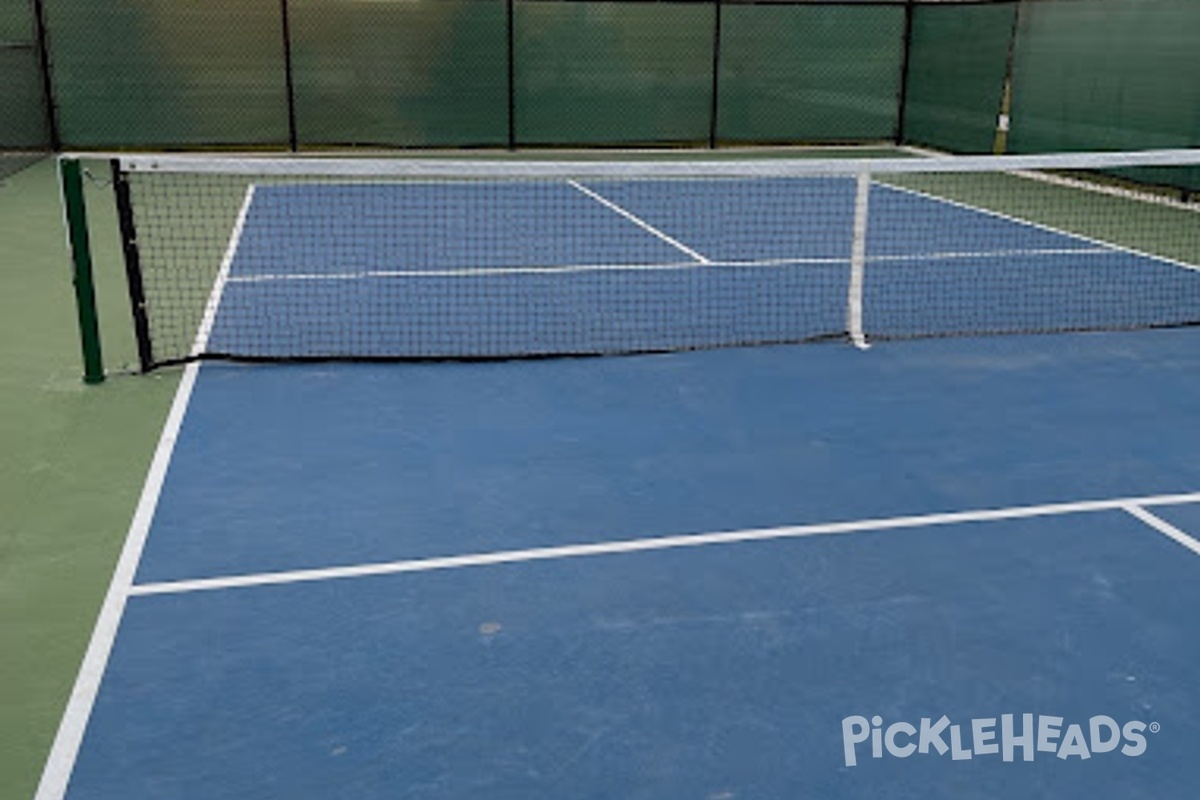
(905, 60)
(716, 77)
(510, 23)
(43, 51)
(1004, 111)
(286, 25)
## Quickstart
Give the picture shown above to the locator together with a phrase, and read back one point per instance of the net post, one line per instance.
(858, 262)
(133, 268)
(75, 215)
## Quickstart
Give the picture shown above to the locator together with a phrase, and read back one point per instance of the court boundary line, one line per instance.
(1159, 524)
(60, 763)
(1110, 191)
(1043, 227)
(209, 320)
(561, 552)
(456, 272)
(636, 220)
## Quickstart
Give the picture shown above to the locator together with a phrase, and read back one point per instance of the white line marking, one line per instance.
(1163, 527)
(61, 761)
(218, 291)
(641, 223)
(1111, 191)
(468, 272)
(1047, 228)
(923, 152)
(1015, 252)
(642, 545)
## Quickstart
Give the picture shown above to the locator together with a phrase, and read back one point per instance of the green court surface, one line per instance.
(72, 464)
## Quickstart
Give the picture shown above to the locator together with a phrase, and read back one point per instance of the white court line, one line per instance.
(649, 544)
(1111, 191)
(1047, 228)
(641, 223)
(57, 772)
(1163, 527)
(467, 272)
(218, 291)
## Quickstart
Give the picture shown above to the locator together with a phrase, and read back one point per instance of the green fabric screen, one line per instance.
(612, 72)
(430, 73)
(154, 73)
(957, 67)
(1107, 74)
(16, 21)
(809, 72)
(23, 122)
(22, 107)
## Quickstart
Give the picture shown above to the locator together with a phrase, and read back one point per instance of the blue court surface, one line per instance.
(493, 268)
(947, 568)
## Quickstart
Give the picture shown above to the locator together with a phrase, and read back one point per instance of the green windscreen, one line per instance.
(155, 73)
(22, 110)
(957, 66)
(1107, 74)
(809, 72)
(16, 21)
(23, 124)
(400, 72)
(612, 72)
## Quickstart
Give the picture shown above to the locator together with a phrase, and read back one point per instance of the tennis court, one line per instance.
(723, 262)
(956, 567)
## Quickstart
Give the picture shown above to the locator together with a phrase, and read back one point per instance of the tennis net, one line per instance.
(299, 258)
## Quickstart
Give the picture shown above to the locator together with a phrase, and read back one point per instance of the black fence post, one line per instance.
(293, 142)
(1004, 107)
(716, 77)
(43, 54)
(510, 23)
(905, 60)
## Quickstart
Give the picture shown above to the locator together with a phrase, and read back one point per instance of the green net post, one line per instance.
(75, 211)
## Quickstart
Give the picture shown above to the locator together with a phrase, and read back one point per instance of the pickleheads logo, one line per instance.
(983, 737)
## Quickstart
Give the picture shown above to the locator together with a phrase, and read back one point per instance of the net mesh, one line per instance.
(426, 259)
